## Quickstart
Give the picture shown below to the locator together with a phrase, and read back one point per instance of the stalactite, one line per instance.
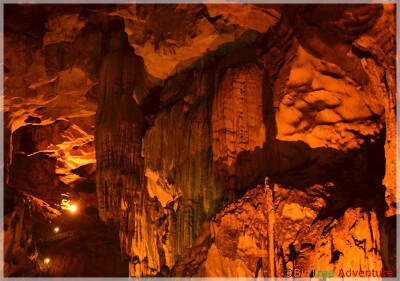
(123, 198)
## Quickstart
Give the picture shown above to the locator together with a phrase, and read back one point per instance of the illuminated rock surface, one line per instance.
(162, 122)
(272, 230)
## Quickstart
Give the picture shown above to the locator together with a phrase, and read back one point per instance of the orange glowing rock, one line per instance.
(211, 100)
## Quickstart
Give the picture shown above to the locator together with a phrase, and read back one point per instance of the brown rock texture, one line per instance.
(119, 173)
(271, 230)
(23, 213)
(238, 124)
(199, 140)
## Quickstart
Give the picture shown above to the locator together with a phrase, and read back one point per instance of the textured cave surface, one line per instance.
(199, 140)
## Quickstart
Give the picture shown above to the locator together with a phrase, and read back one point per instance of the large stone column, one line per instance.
(122, 197)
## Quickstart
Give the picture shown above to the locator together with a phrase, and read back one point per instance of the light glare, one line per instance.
(73, 208)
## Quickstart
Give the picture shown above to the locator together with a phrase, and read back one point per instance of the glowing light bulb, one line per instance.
(56, 229)
(47, 261)
(73, 208)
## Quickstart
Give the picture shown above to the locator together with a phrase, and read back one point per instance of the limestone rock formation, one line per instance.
(272, 230)
(162, 122)
(119, 177)
(23, 213)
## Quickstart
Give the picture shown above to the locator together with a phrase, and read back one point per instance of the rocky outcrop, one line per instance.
(367, 59)
(263, 234)
(39, 178)
(309, 108)
(24, 216)
(170, 45)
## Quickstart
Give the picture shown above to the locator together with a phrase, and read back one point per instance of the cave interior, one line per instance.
(199, 140)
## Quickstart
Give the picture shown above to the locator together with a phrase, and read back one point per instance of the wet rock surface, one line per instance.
(162, 123)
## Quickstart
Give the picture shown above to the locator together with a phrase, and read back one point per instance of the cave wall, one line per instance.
(183, 118)
(230, 120)
(52, 64)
